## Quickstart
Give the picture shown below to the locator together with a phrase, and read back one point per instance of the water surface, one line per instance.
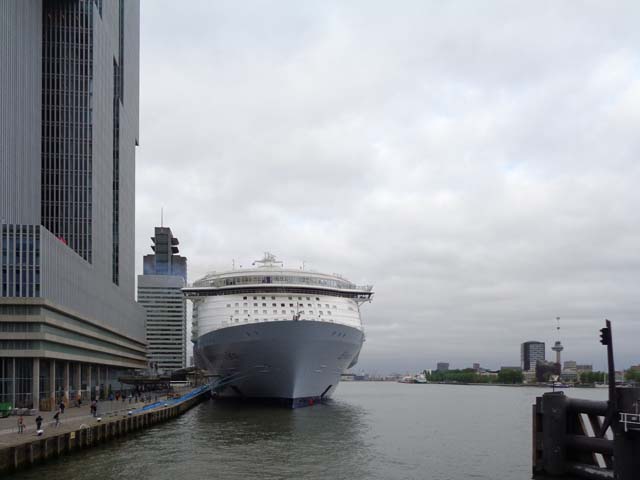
(371, 430)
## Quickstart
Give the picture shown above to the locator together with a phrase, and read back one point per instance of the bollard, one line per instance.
(554, 429)
(626, 445)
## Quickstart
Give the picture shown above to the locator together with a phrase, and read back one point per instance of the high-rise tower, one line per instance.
(160, 293)
(68, 132)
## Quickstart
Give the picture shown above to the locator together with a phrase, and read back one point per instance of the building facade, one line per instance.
(69, 323)
(442, 367)
(530, 354)
(160, 293)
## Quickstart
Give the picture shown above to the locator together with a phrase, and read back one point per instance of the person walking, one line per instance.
(56, 417)
(62, 407)
(20, 424)
(94, 408)
(38, 422)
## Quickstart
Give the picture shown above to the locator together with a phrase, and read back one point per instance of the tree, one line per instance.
(510, 376)
(632, 375)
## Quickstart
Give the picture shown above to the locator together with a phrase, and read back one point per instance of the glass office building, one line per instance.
(69, 323)
(160, 293)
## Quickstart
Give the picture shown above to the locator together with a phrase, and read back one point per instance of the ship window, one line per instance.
(290, 298)
(282, 304)
(246, 311)
(274, 304)
(264, 311)
(244, 304)
(237, 320)
(308, 298)
(309, 305)
(228, 305)
(237, 311)
(284, 312)
(320, 312)
(329, 313)
(275, 311)
(326, 305)
(264, 304)
(255, 304)
(302, 312)
(246, 320)
(273, 298)
(335, 307)
(310, 312)
(263, 298)
(244, 298)
(291, 304)
(255, 298)
(255, 311)
(236, 305)
(299, 298)
(293, 311)
(319, 305)
(317, 299)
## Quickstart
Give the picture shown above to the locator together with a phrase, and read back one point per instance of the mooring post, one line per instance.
(554, 430)
(626, 444)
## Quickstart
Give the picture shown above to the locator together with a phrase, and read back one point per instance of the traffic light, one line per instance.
(605, 336)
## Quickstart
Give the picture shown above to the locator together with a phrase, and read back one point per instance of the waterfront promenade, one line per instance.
(72, 419)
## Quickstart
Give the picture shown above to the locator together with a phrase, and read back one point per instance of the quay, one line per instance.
(80, 431)
(585, 438)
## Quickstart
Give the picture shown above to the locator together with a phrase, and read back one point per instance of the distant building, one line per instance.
(160, 293)
(530, 353)
(584, 368)
(476, 367)
(545, 369)
(570, 371)
(558, 348)
(442, 367)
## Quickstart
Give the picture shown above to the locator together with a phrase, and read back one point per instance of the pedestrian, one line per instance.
(38, 422)
(62, 406)
(20, 424)
(56, 417)
(94, 408)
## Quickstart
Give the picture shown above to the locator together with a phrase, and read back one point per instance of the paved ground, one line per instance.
(71, 419)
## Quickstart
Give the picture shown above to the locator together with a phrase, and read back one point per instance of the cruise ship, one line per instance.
(276, 334)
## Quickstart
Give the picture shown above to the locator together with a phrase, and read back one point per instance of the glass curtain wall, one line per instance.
(24, 382)
(6, 380)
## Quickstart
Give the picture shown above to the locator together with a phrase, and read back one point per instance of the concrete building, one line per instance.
(442, 367)
(570, 371)
(530, 353)
(558, 348)
(160, 293)
(69, 324)
(584, 368)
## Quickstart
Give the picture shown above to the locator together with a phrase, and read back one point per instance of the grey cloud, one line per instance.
(477, 162)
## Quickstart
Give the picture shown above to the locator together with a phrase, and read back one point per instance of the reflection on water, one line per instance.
(370, 431)
(225, 440)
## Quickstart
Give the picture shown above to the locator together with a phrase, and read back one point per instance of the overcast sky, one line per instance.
(477, 162)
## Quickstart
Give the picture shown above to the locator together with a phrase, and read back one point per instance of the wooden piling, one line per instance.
(554, 425)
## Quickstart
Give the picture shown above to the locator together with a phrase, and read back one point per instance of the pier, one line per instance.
(23, 450)
(585, 438)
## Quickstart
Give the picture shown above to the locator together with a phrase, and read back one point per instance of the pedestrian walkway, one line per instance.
(72, 419)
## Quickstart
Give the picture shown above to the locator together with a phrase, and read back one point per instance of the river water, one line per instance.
(370, 430)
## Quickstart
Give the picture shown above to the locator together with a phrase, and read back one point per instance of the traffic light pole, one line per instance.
(606, 338)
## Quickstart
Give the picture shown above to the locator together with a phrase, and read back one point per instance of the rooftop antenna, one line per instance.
(558, 320)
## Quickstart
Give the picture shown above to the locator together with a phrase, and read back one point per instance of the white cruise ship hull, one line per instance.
(295, 363)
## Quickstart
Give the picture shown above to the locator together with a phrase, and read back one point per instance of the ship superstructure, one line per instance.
(274, 333)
